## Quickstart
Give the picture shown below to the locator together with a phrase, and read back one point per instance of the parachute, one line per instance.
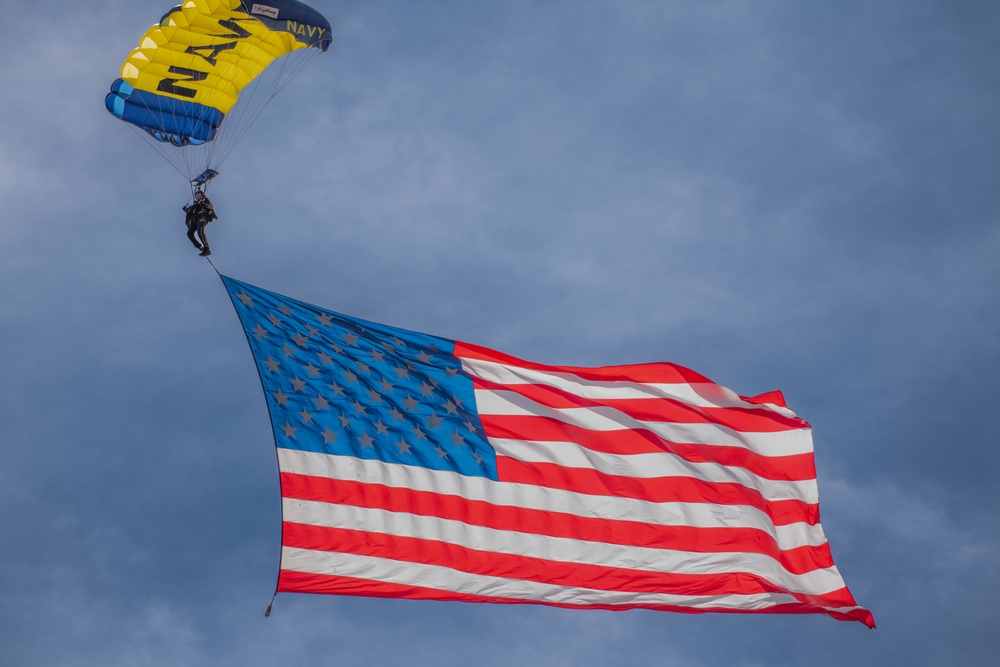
(197, 80)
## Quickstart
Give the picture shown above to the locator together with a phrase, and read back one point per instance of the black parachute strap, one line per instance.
(209, 258)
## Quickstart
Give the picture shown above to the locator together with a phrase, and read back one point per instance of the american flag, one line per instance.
(418, 467)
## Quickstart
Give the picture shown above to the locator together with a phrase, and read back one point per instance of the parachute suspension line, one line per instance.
(249, 107)
(157, 113)
(281, 80)
(176, 156)
(169, 156)
(186, 160)
(203, 156)
(297, 69)
(248, 115)
(252, 101)
(182, 158)
(233, 120)
(285, 75)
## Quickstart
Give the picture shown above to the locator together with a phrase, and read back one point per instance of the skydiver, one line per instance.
(199, 214)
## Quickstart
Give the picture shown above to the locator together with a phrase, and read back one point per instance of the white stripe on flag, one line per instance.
(652, 465)
(698, 394)
(527, 496)
(605, 418)
(454, 581)
(515, 543)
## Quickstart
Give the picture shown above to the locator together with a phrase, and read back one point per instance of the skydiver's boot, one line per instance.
(206, 251)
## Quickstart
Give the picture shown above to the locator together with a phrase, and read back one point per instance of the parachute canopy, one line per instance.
(188, 70)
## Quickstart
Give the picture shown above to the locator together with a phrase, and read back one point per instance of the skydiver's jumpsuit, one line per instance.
(199, 214)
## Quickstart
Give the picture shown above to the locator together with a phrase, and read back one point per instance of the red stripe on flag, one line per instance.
(528, 568)
(661, 373)
(304, 582)
(554, 524)
(793, 468)
(657, 409)
(775, 397)
(657, 489)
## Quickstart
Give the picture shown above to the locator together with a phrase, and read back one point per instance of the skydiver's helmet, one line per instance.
(199, 196)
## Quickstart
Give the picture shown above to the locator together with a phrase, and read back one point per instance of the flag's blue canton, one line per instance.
(339, 385)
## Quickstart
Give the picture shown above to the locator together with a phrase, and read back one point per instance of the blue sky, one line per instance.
(788, 195)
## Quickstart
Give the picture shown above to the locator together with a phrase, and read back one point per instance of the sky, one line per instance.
(778, 194)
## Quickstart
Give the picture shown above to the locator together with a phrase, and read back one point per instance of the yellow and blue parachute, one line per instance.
(191, 69)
